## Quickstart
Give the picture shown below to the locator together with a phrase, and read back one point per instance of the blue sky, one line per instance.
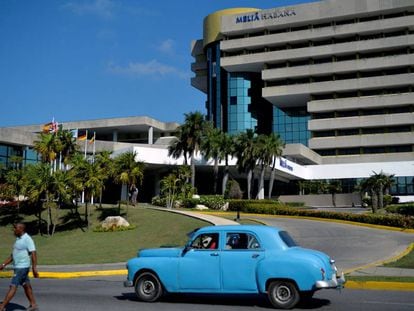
(91, 59)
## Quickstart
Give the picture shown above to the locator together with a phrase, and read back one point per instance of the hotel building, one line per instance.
(335, 79)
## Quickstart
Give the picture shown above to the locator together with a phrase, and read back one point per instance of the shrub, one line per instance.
(276, 208)
(295, 204)
(233, 190)
(387, 199)
(402, 209)
(214, 202)
(189, 202)
(158, 201)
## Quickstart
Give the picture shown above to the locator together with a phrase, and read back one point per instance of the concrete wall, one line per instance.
(324, 200)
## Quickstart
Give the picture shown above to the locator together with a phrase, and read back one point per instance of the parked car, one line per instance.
(234, 259)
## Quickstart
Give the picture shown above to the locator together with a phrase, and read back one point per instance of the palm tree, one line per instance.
(227, 149)
(211, 148)
(106, 167)
(275, 147)
(37, 186)
(178, 148)
(369, 185)
(265, 158)
(382, 183)
(188, 140)
(269, 148)
(47, 147)
(334, 187)
(68, 146)
(62, 193)
(14, 179)
(246, 153)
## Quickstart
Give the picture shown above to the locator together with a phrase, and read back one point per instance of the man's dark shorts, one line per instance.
(20, 277)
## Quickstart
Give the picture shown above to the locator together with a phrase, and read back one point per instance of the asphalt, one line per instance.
(111, 269)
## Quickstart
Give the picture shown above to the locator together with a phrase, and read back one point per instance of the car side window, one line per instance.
(206, 241)
(236, 240)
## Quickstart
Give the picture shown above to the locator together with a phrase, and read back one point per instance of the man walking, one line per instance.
(24, 255)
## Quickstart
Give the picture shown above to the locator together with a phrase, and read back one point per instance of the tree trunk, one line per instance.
(260, 192)
(193, 170)
(249, 183)
(272, 179)
(374, 201)
(225, 179)
(381, 197)
(216, 169)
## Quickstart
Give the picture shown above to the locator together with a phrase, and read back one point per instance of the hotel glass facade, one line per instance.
(8, 154)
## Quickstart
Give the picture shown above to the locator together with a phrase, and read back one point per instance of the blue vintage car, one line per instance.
(234, 259)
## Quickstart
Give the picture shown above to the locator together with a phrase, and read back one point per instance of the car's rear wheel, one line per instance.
(148, 287)
(283, 294)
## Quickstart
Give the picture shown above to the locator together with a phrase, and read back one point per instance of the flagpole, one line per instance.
(86, 148)
(93, 156)
(86, 143)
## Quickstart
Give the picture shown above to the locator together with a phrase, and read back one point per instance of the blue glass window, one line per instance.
(292, 125)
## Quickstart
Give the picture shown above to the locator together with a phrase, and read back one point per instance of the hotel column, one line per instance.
(150, 135)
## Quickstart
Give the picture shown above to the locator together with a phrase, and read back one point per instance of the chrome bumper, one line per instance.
(335, 282)
(128, 283)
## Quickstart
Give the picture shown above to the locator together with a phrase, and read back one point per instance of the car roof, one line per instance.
(253, 228)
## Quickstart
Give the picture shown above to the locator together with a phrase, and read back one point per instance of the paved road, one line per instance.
(107, 293)
(351, 246)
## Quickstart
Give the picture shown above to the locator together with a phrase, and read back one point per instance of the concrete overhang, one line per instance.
(301, 154)
(17, 137)
(107, 126)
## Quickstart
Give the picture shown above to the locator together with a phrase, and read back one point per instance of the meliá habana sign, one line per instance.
(258, 16)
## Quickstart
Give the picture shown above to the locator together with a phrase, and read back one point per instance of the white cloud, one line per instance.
(151, 68)
(167, 46)
(101, 8)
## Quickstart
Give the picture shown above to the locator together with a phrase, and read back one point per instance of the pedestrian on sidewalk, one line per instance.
(23, 256)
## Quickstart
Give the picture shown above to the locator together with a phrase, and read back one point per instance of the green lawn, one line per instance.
(153, 229)
(406, 262)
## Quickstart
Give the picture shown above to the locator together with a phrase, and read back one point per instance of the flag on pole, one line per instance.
(83, 137)
(46, 127)
(92, 140)
(74, 133)
(51, 127)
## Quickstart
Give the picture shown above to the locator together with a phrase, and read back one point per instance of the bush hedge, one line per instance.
(272, 208)
(406, 209)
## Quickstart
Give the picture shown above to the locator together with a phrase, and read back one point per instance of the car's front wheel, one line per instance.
(283, 294)
(148, 287)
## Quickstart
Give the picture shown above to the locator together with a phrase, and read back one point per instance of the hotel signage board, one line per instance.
(267, 15)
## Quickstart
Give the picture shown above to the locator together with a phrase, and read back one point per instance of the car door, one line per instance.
(239, 260)
(199, 267)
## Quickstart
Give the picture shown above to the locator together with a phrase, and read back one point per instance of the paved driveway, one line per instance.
(351, 246)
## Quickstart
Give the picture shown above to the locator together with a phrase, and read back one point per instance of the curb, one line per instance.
(372, 285)
(70, 275)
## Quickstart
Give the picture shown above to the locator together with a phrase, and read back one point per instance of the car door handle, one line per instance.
(254, 256)
(214, 254)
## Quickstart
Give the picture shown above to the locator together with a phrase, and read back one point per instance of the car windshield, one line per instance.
(289, 241)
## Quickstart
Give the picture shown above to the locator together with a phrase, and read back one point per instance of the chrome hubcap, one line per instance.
(283, 293)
